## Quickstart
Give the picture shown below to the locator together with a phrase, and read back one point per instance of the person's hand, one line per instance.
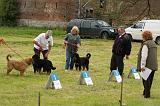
(78, 45)
(127, 56)
(142, 69)
(65, 42)
(40, 48)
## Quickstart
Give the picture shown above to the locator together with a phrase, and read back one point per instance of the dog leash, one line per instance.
(71, 44)
(13, 50)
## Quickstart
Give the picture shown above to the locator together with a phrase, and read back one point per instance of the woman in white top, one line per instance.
(43, 43)
(147, 58)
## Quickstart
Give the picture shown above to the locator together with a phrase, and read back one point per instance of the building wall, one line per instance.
(47, 12)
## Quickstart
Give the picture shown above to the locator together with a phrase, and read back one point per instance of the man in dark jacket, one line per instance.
(121, 48)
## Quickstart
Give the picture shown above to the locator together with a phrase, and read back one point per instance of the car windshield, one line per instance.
(103, 24)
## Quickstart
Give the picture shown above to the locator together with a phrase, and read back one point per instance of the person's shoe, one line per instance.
(146, 96)
(71, 69)
(66, 70)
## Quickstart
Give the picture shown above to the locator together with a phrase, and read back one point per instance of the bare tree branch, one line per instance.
(137, 18)
(130, 5)
(149, 8)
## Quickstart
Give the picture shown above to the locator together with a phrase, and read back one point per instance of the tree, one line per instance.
(145, 12)
(9, 12)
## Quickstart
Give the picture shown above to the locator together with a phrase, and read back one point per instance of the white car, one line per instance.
(152, 25)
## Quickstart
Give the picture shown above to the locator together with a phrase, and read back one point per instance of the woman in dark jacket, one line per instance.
(147, 58)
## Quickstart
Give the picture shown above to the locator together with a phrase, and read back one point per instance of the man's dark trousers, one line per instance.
(117, 62)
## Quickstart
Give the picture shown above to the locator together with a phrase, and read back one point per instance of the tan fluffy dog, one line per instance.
(18, 65)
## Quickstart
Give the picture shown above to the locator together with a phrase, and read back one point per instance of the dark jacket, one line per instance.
(151, 62)
(122, 45)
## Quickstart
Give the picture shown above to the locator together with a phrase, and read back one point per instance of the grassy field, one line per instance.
(23, 91)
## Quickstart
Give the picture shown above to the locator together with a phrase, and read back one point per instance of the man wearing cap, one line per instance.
(43, 43)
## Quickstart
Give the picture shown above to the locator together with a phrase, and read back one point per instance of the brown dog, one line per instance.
(18, 65)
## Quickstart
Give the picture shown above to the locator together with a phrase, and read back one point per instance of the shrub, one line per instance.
(9, 12)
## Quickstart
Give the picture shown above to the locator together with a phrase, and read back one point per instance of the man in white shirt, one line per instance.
(43, 43)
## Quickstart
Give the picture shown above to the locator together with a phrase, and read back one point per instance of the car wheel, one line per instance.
(158, 40)
(104, 35)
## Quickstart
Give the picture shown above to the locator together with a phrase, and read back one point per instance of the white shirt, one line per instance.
(144, 55)
(41, 40)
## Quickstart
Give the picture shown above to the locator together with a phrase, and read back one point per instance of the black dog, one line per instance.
(38, 64)
(81, 61)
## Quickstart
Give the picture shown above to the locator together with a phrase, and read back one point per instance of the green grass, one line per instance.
(23, 91)
(28, 32)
